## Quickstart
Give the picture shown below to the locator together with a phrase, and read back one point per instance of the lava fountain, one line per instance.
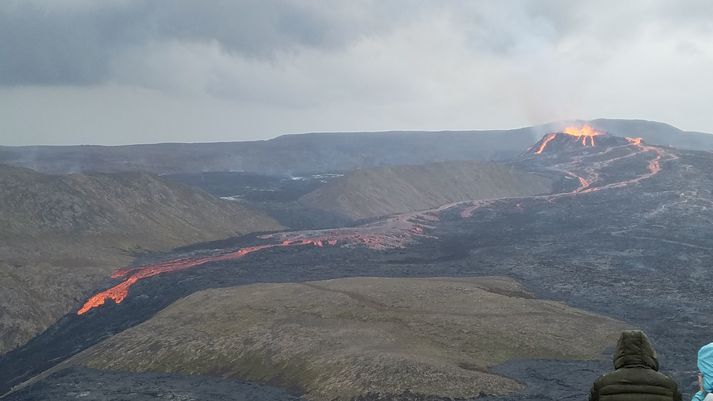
(583, 133)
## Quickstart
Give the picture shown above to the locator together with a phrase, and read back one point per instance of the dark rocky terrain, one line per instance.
(325, 152)
(627, 233)
(96, 385)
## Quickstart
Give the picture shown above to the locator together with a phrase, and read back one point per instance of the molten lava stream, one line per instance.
(394, 232)
(119, 292)
(391, 233)
(547, 139)
(653, 166)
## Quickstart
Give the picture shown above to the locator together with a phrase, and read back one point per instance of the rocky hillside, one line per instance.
(386, 190)
(338, 339)
(61, 235)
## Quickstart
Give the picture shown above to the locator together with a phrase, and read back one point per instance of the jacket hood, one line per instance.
(705, 365)
(634, 351)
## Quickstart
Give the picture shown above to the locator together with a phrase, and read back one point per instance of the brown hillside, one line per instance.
(61, 235)
(387, 190)
(337, 339)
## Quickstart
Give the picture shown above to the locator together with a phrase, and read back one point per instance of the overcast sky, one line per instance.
(141, 71)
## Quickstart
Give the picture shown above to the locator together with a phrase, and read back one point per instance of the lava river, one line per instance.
(394, 232)
(401, 230)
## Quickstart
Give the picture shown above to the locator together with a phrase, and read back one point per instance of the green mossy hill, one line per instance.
(350, 337)
(387, 190)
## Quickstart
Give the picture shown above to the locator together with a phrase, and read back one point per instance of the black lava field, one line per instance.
(628, 234)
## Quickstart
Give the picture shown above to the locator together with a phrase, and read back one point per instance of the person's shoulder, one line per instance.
(666, 377)
(607, 377)
(641, 374)
(604, 375)
(668, 381)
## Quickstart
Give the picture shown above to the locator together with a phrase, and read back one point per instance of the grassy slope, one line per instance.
(62, 235)
(386, 190)
(340, 338)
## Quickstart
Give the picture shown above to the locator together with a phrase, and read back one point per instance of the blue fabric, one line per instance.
(705, 366)
(699, 396)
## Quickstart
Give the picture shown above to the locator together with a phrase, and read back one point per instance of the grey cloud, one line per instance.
(243, 69)
(47, 43)
(42, 46)
(51, 42)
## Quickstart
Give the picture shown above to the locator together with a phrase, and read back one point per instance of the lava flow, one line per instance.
(394, 232)
(653, 166)
(547, 139)
(400, 230)
(119, 292)
(592, 170)
(584, 135)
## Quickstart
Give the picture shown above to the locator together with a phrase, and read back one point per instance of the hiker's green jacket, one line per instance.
(636, 377)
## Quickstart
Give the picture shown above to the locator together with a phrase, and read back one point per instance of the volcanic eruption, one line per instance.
(574, 138)
(400, 230)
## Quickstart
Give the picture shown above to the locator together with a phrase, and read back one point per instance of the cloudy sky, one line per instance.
(140, 71)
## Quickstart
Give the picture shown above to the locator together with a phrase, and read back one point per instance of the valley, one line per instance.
(625, 233)
(286, 200)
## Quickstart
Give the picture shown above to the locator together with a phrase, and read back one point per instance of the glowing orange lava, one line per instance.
(582, 182)
(582, 133)
(394, 232)
(547, 139)
(119, 292)
(584, 130)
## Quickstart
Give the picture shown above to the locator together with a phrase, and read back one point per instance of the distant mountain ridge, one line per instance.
(321, 152)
